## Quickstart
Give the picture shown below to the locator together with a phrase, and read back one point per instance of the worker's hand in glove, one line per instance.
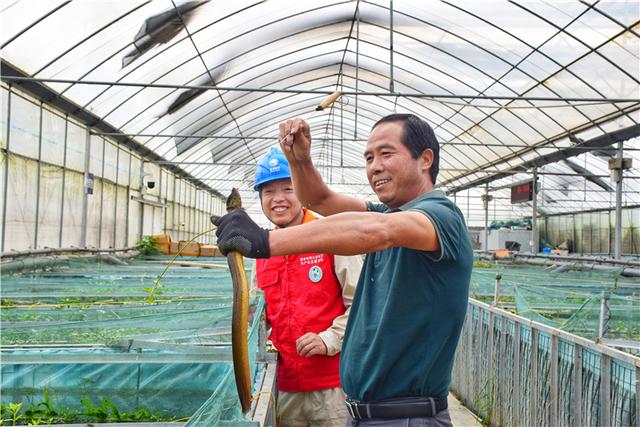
(237, 232)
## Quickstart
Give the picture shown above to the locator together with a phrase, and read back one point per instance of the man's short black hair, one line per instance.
(417, 136)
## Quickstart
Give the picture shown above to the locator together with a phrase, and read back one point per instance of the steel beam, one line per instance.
(11, 77)
(330, 139)
(391, 89)
(355, 119)
(217, 355)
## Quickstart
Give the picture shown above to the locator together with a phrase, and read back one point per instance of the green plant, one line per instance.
(482, 264)
(155, 290)
(44, 412)
(10, 413)
(105, 411)
(147, 246)
(483, 403)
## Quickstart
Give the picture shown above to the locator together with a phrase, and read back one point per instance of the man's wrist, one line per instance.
(331, 343)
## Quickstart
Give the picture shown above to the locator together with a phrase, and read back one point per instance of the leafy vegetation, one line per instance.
(482, 264)
(45, 412)
(147, 246)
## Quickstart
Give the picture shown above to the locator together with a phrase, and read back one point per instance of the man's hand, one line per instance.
(295, 140)
(237, 232)
(310, 344)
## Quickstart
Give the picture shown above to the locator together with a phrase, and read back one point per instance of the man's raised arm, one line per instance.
(295, 142)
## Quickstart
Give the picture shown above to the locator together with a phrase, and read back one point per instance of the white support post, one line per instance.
(496, 293)
(486, 198)
(115, 201)
(102, 182)
(38, 180)
(576, 403)
(140, 191)
(604, 317)
(85, 192)
(64, 178)
(535, 245)
(618, 175)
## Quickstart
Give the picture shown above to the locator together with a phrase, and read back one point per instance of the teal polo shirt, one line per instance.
(408, 311)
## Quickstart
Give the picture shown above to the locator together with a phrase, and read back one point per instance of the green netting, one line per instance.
(563, 298)
(516, 224)
(79, 344)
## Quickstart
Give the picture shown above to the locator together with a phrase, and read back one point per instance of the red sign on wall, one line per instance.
(522, 192)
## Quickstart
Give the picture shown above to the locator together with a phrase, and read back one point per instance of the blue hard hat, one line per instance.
(271, 166)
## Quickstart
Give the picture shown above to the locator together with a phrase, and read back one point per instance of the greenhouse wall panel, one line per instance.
(24, 135)
(108, 219)
(121, 218)
(76, 147)
(60, 185)
(110, 161)
(72, 218)
(94, 213)
(96, 157)
(3, 199)
(21, 204)
(49, 206)
(123, 167)
(594, 232)
(53, 138)
(134, 222)
(4, 108)
(134, 173)
(149, 219)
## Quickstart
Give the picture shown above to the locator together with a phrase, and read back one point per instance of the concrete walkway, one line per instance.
(460, 415)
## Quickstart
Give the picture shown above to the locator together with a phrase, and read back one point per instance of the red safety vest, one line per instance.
(302, 294)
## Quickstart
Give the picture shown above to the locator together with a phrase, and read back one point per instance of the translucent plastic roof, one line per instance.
(503, 84)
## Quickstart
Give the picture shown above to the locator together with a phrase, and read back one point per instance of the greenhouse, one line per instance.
(128, 127)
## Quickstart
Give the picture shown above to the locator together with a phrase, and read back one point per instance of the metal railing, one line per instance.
(513, 371)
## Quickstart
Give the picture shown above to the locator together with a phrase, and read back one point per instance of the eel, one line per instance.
(240, 317)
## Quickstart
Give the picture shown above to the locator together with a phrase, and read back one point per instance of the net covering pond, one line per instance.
(82, 343)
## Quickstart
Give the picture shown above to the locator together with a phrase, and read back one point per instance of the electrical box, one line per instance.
(624, 163)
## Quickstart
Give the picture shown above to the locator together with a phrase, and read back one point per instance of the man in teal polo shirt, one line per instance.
(411, 297)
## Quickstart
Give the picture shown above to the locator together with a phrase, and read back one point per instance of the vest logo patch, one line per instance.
(311, 259)
(315, 274)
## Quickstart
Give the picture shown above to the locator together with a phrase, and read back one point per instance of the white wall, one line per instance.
(43, 204)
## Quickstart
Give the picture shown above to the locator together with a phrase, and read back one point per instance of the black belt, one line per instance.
(397, 408)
